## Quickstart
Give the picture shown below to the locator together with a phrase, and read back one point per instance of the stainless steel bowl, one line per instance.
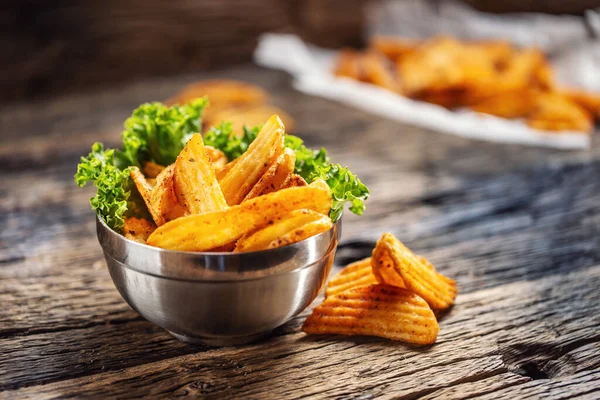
(218, 299)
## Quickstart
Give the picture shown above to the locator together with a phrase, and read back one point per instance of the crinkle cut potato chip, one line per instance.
(438, 290)
(354, 275)
(375, 310)
(384, 270)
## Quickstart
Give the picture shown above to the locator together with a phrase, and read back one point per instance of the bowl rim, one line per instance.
(214, 253)
(216, 266)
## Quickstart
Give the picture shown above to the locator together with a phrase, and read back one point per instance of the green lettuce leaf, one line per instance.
(221, 137)
(113, 187)
(158, 133)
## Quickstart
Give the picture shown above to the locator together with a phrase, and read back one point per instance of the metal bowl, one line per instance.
(218, 299)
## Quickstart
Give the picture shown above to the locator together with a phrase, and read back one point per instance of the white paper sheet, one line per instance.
(574, 55)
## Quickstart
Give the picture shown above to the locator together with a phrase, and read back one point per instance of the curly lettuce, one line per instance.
(154, 132)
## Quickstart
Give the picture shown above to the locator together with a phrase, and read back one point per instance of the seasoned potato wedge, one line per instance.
(195, 183)
(294, 180)
(142, 185)
(217, 158)
(262, 238)
(249, 167)
(164, 205)
(303, 232)
(221, 93)
(152, 169)
(202, 232)
(138, 229)
(277, 174)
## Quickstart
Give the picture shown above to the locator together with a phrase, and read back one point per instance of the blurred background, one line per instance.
(49, 48)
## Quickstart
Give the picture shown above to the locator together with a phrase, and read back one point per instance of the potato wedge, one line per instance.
(275, 176)
(354, 275)
(294, 180)
(512, 104)
(138, 229)
(263, 237)
(152, 169)
(555, 112)
(142, 185)
(348, 65)
(202, 232)
(392, 47)
(195, 183)
(220, 93)
(438, 290)
(221, 172)
(164, 205)
(375, 310)
(217, 158)
(251, 165)
(303, 232)
(586, 100)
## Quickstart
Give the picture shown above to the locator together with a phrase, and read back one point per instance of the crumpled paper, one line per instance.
(312, 67)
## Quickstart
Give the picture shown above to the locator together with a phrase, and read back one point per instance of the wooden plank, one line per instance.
(522, 331)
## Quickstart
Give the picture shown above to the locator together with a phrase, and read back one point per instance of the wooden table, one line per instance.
(517, 227)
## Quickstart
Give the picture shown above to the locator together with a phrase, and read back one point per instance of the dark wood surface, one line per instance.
(517, 227)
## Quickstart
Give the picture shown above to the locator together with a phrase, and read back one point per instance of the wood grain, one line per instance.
(518, 228)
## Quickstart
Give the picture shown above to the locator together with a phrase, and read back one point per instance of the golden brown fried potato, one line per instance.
(513, 104)
(217, 158)
(195, 183)
(138, 229)
(555, 112)
(384, 269)
(142, 185)
(252, 116)
(438, 290)
(251, 165)
(498, 52)
(262, 238)
(212, 230)
(520, 73)
(586, 100)
(221, 172)
(348, 65)
(379, 71)
(354, 275)
(294, 180)
(152, 169)
(375, 310)
(220, 93)
(304, 232)
(431, 67)
(277, 174)
(164, 205)
(392, 47)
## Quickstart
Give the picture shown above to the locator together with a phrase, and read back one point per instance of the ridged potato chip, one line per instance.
(384, 269)
(202, 232)
(375, 310)
(354, 275)
(195, 183)
(438, 290)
